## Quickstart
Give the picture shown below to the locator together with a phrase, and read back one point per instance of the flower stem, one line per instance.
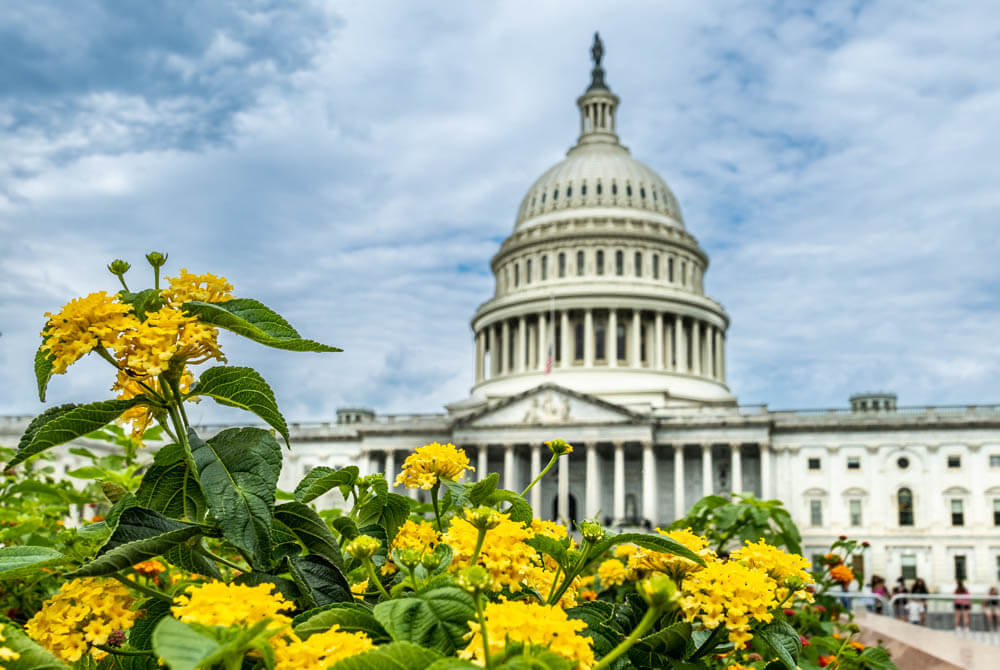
(374, 577)
(552, 461)
(219, 559)
(648, 619)
(482, 629)
(145, 590)
(572, 574)
(479, 545)
(434, 500)
(122, 652)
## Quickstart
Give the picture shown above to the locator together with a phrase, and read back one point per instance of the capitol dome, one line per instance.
(600, 287)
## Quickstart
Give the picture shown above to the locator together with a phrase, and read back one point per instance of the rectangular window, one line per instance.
(619, 263)
(670, 269)
(814, 463)
(995, 460)
(954, 461)
(600, 340)
(996, 511)
(957, 513)
(656, 266)
(638, 264)
(517, 274)
(816, 512)
(558, 343)
(683, 273)
(600, 262)
(579, 263)
(527, 272)
(643, 357)
(961, 572)
(620, 344)
(545, 268)
(908, 566)
(855, 509)
(853, 462)
(562, 265)
(578, 342)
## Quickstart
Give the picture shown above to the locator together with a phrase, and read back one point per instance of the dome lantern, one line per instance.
(598, 104)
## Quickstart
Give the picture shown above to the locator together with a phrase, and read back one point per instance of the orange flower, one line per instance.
(824, 661)
(841, 573)
(857, 645)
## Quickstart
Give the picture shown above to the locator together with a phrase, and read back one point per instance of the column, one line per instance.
(658, 344)
(722, 356)
(482, 461)
(564, 339)
(706, 470)
(505, 346)
(709, 350)
(536, 490)
(593, 501)
(491, 346)
(636, 344)
(695, 347)
(649, 483)
(619, 506)
(522, 344)
(765, 471)
(612, 345)
(390, 466)
(680, 353)
(479, 357)
(509, 468)
(736, 465)
(588, 338)
(543, 342)
(365, 464)
(679, 508)
(563, 504)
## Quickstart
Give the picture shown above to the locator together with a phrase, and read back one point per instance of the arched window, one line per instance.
(545, 268)
(904, 501)
(543, 198)
(638, 264)
(555, 194)
(562, 264)
(628, 190)
(579, 263)
(600, 262)
(656, 266)
(619, 262)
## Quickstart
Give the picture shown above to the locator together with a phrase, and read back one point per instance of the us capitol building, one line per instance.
(599, 332)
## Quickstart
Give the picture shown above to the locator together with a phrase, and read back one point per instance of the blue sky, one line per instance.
(355, 166)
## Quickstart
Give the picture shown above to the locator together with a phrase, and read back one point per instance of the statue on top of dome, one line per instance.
(597, 51)
(597, 74)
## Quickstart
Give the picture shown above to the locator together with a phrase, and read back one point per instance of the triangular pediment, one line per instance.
(547, 405)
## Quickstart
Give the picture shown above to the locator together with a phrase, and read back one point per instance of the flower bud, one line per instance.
(592, 531)
(408, 558)
(112, 491)
(474, 579)
(483, 518)
(559, 447)
(362, 547)
(658, 591)
(430, 561)
(794, 583)
(118, 267)
(156, 259)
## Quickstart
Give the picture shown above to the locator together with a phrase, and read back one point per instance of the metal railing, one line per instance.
(938, 612)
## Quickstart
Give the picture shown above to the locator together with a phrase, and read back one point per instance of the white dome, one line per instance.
(598, 175)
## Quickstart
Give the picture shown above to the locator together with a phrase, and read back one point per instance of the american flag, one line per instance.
(548, 360)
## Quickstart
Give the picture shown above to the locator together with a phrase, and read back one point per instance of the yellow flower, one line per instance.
(319, 651)
(83, 613)
(559, 447)
(359, 590)
(532, 624)
(138, 419)
(858, 646)
(167, 335)
(220, 604)
(730, 594)
(504, 554)
(82, 325)
(6, 653)
(425, 466)
(841, 573)
(780, 565)
(644, 562)
(420, 536)
(612, 573)
(625, 550)
(189, 287)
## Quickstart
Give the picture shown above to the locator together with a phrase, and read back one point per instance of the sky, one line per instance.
(355, 166)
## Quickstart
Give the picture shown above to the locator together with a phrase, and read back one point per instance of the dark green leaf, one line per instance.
(182, 647)
(140, 635)
(243, 388)
(18, 562)
(143, 302)
(169, 486)
(320, 581)
(351, 617)
(306, 526)
(484, 488)
(437, 618)
(519, 508)
(877, 658)
(43, 371)
(395, 512)
(253, 320)
(707, 641)
(285, 587)
(321, 479)
(346, 527)
(654, 542)
(238, 470)
(670, 641)
(32, 655)
(68, 422)
(783, 641)
(549, 546)
(392, 656)
(184, 556)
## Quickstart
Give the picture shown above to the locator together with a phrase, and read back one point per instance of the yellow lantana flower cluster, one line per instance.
(644, 562)
(6, 653)
(189, 287)
(529, 623)
(82, 325)
(428, 464)
(219, 604)
(730, 593)
(783, 567)
(504, 554)
(320, 650)
(82, 614)
(612, 572)
(421, 536)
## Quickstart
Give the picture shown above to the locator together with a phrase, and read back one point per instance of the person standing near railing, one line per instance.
(920, 586)
(899, 606)
(991, 610)
(962, 606)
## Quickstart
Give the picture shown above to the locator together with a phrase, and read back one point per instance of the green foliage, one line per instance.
(43, 371)
(729, 523)
(170, 486)
(392, 656)
(351, 617)
(19, 562)
(321, 479)
(253, 321)
(243, 388)
(32, 655)
(437, 618)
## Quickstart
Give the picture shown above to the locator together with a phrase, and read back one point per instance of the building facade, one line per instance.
(599, 332)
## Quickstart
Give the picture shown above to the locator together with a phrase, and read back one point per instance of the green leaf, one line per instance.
(140, 635)
(68, 422)
(672, 640)
(319, 581)
(88, 472)
(181, 646)
(32, 655)
(654, 542)
(141, 534)
(549, 546)
(519, 509)
(484, 488)
(346, 527)
(394, 514)
(253, 320)
(243, 388)
(351, 617)
(43, 371)
(184, 556)
(437, 618)
(392, 656)
(783, 641)
(877, 658)
(304, 524)
(238, 470)
(285, 587)
(18, 562)
(321, 479)
(169, 486)
(143, 302)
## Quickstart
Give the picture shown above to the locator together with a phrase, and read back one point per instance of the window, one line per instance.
(995, 460)
(517, 274)
(961, 572)
(614, 188)
(600, 262)
(555, 194)
(904, 504)
(545, 268)
(558, 341)
(683, 273)
(600, 340)
(954, 461)
(642, 192)
(527, 272)
(908, 566)
(628, 190)
(543, 198)
(569, 191)
(853, 462)
(578, 342)
(619, 263)
(583, 188)
(598, 188)
(579, 263)
(903, 462)
(638, 264)
(620, 344)
(656, 266)
(957, 512)
(642, 344)
(854, 507)
(670, 269)
(996, 511)
(816, 512)
(562, 264)
(814, 463)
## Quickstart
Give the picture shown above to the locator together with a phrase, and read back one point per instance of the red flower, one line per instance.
(789, 612)
(820, 608)
(804, 640)
(824, 661)
(866, 543)
(843, 537)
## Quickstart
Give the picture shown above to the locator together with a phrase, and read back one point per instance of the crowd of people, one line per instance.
(914, 609)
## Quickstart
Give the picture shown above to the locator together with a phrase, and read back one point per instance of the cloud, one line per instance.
(355, 167)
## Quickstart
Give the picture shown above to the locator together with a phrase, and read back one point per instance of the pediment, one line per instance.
(549, 405)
